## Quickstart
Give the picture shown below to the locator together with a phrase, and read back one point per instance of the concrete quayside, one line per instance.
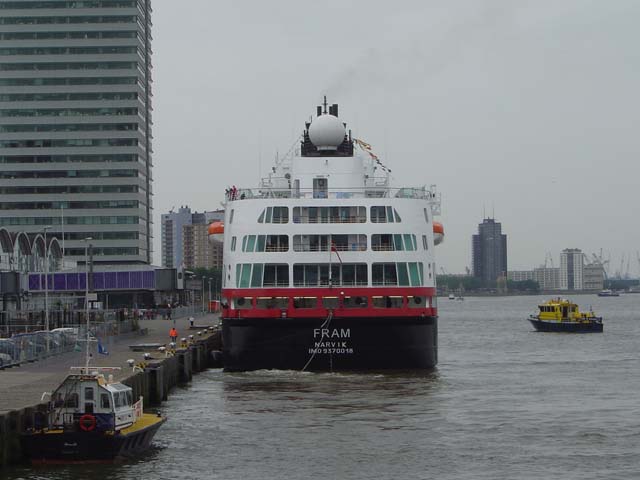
(21, 387)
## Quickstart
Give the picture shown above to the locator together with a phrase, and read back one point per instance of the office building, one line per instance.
(593, 276)
(571, 269)
(489, 252)
(75, 125)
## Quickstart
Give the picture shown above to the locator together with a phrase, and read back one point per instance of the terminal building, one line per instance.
(75, 125)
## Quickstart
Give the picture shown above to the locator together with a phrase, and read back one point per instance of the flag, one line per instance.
(101, 349)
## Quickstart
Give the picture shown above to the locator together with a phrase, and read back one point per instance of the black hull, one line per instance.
(346, 344)
(571, 327)
(86, 447)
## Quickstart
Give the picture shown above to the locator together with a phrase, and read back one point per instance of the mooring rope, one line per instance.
(325, 324)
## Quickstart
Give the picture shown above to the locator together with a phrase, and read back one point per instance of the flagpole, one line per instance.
(330, 277)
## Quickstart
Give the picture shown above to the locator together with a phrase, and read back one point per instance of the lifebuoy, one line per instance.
(87, 422)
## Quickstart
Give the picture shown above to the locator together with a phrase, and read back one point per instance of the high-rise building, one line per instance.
(75, 124)
(548, 278)
(489, 252)
(191, 251)
(571, 269)
(198, 251)
(593, 276)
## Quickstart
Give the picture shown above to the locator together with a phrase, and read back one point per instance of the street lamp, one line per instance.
(86, 296)
(46, 282)
(203, 279)
(209, 304)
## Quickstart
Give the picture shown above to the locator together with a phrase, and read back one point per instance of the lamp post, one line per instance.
(46, 282)
(209, 303)
(203, 279)
(86, 297)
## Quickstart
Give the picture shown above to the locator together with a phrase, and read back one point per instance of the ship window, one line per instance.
(417, 302)
(251, 242)
(410, 242)
(280, 215)
(129, 398)
(267, 218)
(243, 303)
(275, 275)
(382, 214)
(104, 401)
(88, 394)
(311, 275)
(320, 243)
(425, 244)
(71, 401)
(347, 214)
(272, 302)
(233, 244)
(384, 274)
(245, 275)
(256, 277)
(414, 274)
(261, 217)
(426, 215)
(355, 302)
(231, 216)
(403, 276)
(386, 302)
(305, 302)
(260, 243)
(330, 302)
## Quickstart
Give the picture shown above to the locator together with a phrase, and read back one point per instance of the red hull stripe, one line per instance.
(336, 292)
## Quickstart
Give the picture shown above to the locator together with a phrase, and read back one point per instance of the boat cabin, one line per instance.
(91, 402)
(562, 310)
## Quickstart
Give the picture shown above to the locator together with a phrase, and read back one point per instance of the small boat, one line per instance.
(90, 419)
(452, 296)
(608, 293)
(561, 315)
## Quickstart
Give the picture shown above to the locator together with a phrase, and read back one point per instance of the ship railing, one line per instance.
(353, 247)
(421, 193)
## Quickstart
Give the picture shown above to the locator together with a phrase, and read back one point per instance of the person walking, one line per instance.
(173, 333)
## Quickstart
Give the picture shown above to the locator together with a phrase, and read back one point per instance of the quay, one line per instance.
(21, 387)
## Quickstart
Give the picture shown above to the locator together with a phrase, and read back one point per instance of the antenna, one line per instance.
(325, 104)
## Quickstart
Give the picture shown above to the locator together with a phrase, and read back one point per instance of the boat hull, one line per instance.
(318, 344)
(63, 447)
(572, 327)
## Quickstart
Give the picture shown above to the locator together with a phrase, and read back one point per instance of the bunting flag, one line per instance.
(367, 148)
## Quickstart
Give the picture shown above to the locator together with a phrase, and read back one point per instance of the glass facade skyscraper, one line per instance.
(75, 124)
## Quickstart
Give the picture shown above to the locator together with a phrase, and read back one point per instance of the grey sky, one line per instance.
(528, 108)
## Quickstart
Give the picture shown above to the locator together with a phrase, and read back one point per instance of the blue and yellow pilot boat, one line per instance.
(90, 419)
(561, 315)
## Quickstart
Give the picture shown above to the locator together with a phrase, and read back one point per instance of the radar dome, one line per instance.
(326, 132)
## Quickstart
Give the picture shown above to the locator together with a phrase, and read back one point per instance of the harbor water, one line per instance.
(504, 403)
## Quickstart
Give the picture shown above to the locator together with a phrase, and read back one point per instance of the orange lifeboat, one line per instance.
(438, 233)
(216, 231)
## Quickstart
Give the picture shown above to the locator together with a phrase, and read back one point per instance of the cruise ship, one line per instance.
(327, 265)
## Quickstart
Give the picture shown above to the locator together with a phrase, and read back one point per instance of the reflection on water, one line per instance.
(505, 402)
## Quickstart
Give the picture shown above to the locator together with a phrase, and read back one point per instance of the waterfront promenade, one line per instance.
(23, 386)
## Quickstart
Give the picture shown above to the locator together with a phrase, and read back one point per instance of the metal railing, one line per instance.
(424, 193)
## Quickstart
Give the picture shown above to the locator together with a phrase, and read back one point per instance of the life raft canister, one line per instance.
(87, 422)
